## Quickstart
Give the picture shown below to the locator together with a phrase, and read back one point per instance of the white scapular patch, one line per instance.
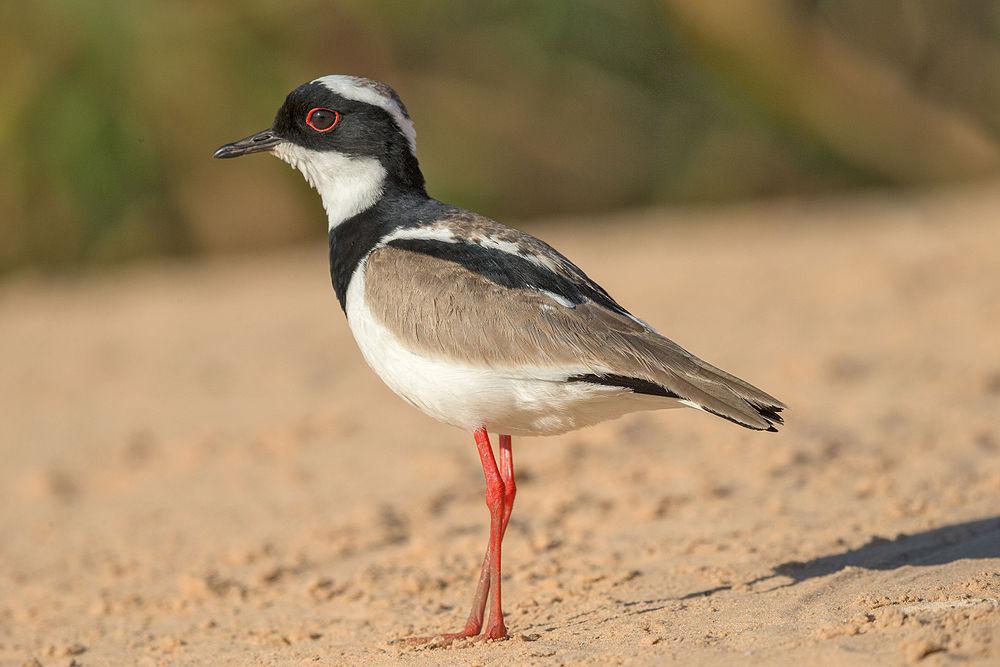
(558, 298)
(514, 249)
(518, 401)
(347, 185)
(431, 233)
(372, 92)
(497, 244)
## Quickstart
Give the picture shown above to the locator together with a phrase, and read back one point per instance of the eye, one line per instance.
(322, 119)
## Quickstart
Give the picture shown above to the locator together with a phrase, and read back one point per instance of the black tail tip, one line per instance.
(771, 414)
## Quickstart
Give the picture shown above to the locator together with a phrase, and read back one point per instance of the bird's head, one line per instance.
(351, 138)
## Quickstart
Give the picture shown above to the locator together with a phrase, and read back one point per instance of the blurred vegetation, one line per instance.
(110, 109)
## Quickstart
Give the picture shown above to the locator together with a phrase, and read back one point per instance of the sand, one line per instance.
(196, 466)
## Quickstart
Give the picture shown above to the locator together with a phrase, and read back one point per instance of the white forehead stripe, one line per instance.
(375, 93)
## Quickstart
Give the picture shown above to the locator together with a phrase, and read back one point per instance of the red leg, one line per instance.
(507, 471)
(495, 494)
(475, 621)
(500, 492)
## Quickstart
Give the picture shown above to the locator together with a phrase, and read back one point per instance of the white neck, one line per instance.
(347, 185)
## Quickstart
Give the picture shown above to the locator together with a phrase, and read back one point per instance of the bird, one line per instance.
(478, 325)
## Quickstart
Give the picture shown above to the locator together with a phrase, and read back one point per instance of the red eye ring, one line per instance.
(309, 119)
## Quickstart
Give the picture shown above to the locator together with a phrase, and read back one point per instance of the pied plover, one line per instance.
(477, 324)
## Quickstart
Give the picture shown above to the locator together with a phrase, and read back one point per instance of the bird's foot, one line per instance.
(469, 634)
(470, 631)
(496, 631)
(438, 641)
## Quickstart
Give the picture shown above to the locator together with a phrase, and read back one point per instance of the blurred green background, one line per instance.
(110, 109)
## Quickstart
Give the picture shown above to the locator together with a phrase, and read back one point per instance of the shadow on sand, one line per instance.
(972, 539)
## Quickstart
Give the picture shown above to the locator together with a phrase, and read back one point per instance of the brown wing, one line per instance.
(442, 309)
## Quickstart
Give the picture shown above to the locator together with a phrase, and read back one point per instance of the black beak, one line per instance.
(255, 143)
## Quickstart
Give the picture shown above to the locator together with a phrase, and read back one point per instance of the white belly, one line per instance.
(510, 401)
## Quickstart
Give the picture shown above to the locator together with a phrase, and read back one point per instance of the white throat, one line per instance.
(347, 185)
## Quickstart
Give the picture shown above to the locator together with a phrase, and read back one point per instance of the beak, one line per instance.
(265, 140)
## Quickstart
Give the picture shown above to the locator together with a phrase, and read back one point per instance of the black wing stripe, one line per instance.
(509, 270)
(635, 384)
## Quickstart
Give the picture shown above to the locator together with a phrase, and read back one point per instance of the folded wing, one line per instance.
(520, 308)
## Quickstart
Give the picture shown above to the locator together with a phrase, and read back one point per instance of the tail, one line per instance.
(700, 385)
(719, 393)
(647, 363)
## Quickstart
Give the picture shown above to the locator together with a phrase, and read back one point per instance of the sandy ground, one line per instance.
(196, 467)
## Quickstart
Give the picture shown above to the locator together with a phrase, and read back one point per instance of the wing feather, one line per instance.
(493, 312)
